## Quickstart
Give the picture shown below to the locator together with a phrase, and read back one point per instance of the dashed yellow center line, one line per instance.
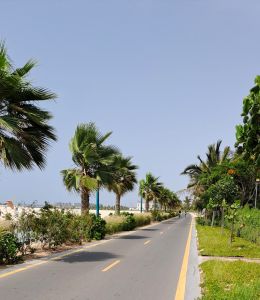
(180, 291)
(147, 242)
(111, 266)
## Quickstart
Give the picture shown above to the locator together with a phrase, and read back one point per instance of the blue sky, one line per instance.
(167, 77)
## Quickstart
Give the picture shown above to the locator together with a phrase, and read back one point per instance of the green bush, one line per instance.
(247, 225)
(129, 222)
(203, 221)
(52, 227)
(79, 228)
(98, 228)
(9, 248)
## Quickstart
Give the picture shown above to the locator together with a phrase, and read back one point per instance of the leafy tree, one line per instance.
(24, 130)
(224, 188)
(244, 173)
(93, 160)
(248, 134)
(149, 189)
(124, 178)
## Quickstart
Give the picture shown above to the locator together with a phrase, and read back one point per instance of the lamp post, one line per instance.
(256, 190)
(141, 206)
(97, 202)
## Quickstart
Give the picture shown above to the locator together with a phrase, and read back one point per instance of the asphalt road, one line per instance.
(144, 264)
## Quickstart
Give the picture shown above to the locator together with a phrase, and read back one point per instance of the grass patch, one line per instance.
(230, 280)
(213, 243)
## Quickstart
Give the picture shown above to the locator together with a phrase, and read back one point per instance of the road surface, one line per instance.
(144, 264)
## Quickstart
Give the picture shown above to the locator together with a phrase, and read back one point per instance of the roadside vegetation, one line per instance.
(225, 188)
(213, 242)
(230, 280)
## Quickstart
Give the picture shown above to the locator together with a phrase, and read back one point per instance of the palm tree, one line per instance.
(94, 162)
(214, 157)
(24, 130)
(149, 189)
(167, 198)
(124, 179)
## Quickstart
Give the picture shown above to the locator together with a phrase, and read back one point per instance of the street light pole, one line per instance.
(256, 190)
(141, 206)
(97, 202)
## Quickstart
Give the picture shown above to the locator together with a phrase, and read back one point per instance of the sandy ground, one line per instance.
(18, 210)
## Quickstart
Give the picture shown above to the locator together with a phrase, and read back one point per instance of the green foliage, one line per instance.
(93, 162)
(214, 158)
(54, 227)
(203, 221)
(215, 243)
(224, 188)
(159, 216)
(230, 280)
(232, 217)
(247, 224)
(8, 217)
(156, 216)
(79, 228)
(98, 228)
(25, 133)
(9, 248)
(248, 134)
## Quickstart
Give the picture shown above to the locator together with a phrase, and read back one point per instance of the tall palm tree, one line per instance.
(93, 162)
(149, 189)
(214, 157)
(124, 179)
(167, 198)
(24, 129)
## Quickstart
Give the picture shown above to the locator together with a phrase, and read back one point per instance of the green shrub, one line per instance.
(203, 221)
(98, 228)
(24, 229)
(129, 223)
(247, 225)
(8, 217)
(9, 248)
(79, 228)
(156, 216)
(52, 227)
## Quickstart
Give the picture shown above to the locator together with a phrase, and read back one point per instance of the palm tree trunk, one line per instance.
(146, 205)
(84, 201)
(117, 208)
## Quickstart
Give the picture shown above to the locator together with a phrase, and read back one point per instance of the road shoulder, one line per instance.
(192, 290)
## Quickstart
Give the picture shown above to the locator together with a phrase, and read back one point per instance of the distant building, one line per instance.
(138, 207)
